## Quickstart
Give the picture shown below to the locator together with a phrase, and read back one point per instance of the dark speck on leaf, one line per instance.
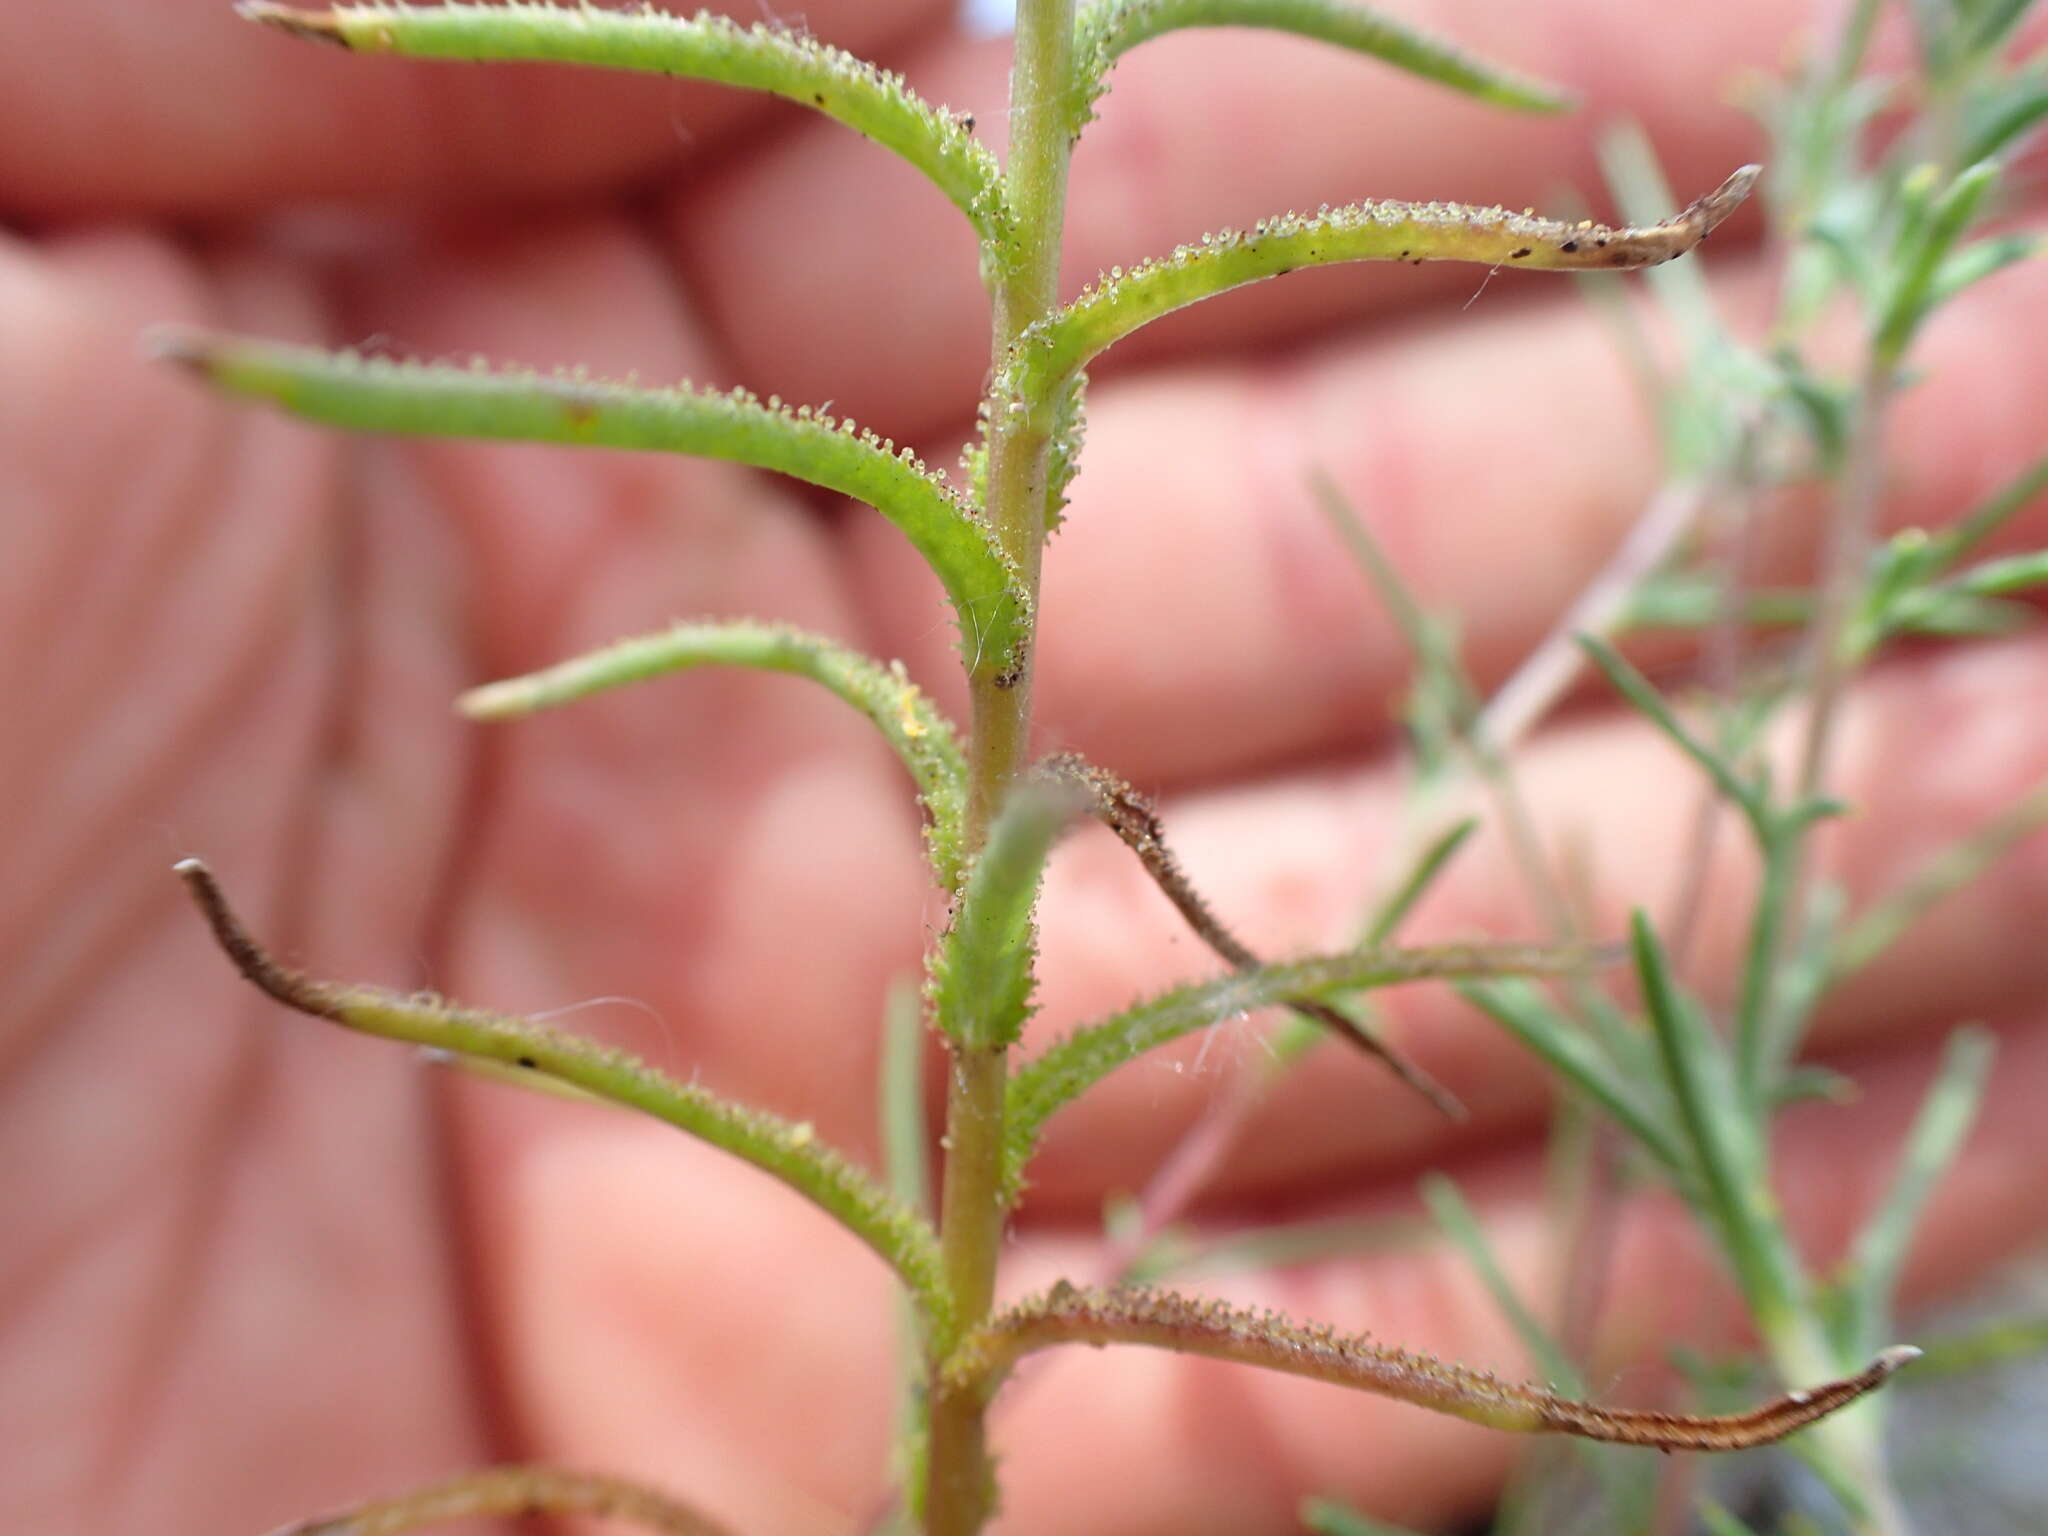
(529, 1063)
(1518, 255)
(1569, 246)
(818, 99)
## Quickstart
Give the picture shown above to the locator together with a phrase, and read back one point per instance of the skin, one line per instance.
(254, 1269)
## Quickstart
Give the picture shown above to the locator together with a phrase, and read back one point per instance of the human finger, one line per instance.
(183, 107)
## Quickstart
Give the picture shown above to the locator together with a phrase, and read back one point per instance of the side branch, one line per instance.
(874, 102)
(368, 394)
(785, 1150)
(1166, 1320)
(510, 1493)
(1113, 307)
(1119, 807)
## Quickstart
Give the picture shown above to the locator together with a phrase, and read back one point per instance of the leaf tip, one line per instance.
(189, 346)
(492, 701)
(1890, 1361)
(1712, 209)
(316, 26)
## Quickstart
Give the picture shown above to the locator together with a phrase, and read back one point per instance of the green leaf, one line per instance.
(1109, 28)
(1949, 870)
(2005, 1341)
(1122, 301)
(1988, 516)
(1636, 688)
(912, 725)
(1072, 1065)
(1998, 18)
(2014, 115)
(1974, 263)
(1725, 1147)
(1442, 706)
(1454, 1218)
(437, 400)
(1950, 1108)
(784, 1149)
(873, 102)
(1524, 1012)
(1434, 860)
(1998, 578)
(981, 976)
(1910, 298)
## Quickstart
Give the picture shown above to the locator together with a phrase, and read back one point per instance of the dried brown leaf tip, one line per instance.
(1133, 818)
(316, 26)
(292, 988)
(1556, 244)
(1166, 1320)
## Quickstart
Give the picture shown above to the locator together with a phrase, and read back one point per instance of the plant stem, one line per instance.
(960, 1482)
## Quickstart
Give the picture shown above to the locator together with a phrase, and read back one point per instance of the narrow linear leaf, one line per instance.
(1934, 32)
(1998, 578)
(1974, 263)
(1945, 1117)
(1454, 1218)
(1435, 858)
(1524, 1012)
(1110, 28)
(1637, 689)
(1165, 1320)
(873, 102)
(1635, 175)
(982, 975)
(1997, 19)
(2005, 1341)
(2014, 116)
(1946, 223)
(1121, 302)
(1723, 1141)
(919, 734)
(436, 400)
(1949, 545)
(786, 1150)
(1441, 709)
(1069, 1067)
(1948, 871)
(506, 1492)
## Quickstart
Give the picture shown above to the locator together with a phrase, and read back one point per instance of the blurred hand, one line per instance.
(254, 1268)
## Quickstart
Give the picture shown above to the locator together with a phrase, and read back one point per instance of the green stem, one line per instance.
(1025, 288)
